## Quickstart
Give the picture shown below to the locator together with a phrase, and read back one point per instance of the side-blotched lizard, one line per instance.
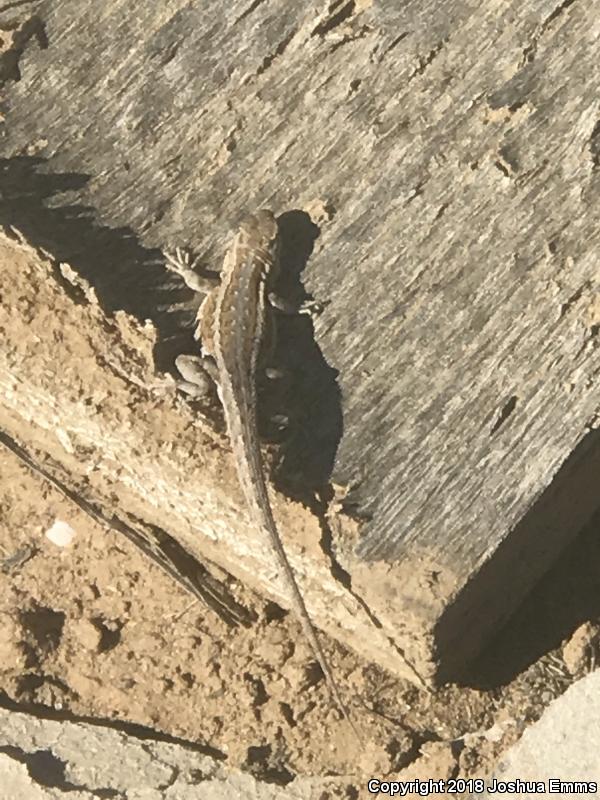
(231, 325)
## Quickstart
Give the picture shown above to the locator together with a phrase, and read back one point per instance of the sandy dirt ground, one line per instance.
(95, 630)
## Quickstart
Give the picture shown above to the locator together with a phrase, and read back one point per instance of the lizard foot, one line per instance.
(196, 373)
(187, 267)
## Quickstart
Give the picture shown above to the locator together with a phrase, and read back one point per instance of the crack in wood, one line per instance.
(11, 50)
(426, 61)
(507, 410)
(530, 52)
(594, 145)
(333, 20)
(279, 51)
(250, 10)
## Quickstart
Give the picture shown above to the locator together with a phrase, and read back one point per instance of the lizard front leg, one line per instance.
(277, 303)
(198, 373)
(183, 264)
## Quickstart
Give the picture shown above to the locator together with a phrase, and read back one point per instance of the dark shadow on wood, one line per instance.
(567, 596)
(309, 394)
(125, 275)
(23, 30)
(533, 547)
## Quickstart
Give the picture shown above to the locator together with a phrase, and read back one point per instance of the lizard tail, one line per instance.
(307, 625)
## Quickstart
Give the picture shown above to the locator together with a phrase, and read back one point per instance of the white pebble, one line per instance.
(60, 533)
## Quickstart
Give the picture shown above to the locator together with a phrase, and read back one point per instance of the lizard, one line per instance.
(231, 323)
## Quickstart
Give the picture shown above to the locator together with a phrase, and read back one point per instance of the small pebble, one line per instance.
(60, 533)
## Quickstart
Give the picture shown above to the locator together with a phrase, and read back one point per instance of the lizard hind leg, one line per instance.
(198, 375)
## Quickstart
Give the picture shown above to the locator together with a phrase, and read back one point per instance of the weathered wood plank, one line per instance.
(79, 391)
(455, 148)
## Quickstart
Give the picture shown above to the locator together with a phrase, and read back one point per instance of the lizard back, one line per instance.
(249, 268)
(239, 322)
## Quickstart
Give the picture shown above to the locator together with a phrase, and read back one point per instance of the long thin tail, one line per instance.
(241, 424)
(307, 625)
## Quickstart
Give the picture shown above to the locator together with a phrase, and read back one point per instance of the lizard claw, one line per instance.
(313, 308)
(274, 373)
(281, 421)
(180, 260)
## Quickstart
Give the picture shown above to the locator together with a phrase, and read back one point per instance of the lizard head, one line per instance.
(261, 230)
